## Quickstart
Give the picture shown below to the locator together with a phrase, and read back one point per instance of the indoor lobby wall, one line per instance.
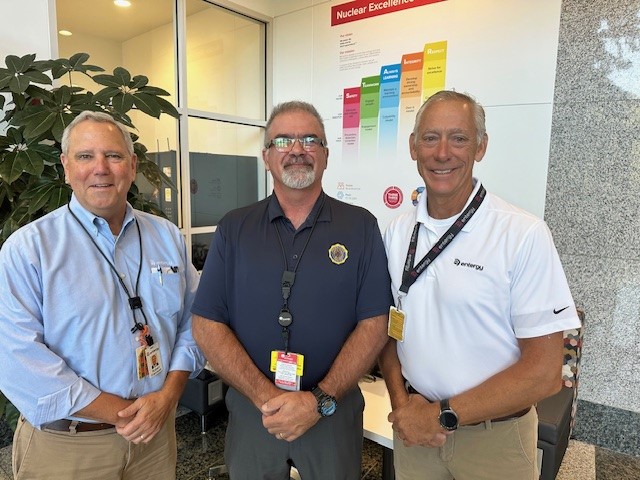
(593, 199)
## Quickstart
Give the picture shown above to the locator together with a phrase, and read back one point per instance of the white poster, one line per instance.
(367, 67)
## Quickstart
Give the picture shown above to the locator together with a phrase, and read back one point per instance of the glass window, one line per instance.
(139, 38)
(212, 153)
(225, 61)
(226, 169)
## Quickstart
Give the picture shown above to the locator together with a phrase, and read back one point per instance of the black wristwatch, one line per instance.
(448, 418)
(326, 403)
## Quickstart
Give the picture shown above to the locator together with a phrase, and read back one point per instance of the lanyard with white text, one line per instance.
(411, 273)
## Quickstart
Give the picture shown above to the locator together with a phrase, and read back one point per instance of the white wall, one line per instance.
(28, 30)
(25, 28)
(501, 51)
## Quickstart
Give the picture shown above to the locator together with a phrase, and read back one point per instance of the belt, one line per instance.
(519, 414)
(74, 426)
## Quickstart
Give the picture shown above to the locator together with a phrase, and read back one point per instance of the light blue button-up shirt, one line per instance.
(65, 320)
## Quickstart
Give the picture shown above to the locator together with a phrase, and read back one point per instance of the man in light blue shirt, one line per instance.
(96, 342)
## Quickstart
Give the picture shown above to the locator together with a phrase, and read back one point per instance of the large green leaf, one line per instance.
(107, 80)
(60, 67)
(78, 59)
(37, 77)
(60, 123)
(148, 104)
(14, 163)
(153, 91)
(123, 75)
(138, 81)
(106, 94)
(49, 153)
(11, 414)
(62, 95)
(29, 114)
(40, 123)
(167, 107)
(11, 225)
(18, 217)
(39, 93)
(122, 102)
(5, 78)
(15, 136)
(47, 194)
(18, 84)
(19, 64)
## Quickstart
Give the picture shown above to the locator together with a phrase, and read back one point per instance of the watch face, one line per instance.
(448, 420)
(328, 406)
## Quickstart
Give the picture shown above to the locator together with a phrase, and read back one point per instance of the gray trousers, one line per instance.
(331, 449)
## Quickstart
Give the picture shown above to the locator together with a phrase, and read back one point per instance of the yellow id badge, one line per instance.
(395, 328)
(288, 368)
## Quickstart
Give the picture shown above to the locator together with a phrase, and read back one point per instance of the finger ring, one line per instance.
(281, 436)
(141, 437)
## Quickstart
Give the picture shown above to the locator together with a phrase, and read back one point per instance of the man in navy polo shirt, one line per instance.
(291, 311)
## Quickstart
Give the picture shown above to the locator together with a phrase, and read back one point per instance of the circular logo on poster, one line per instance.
(392, 197)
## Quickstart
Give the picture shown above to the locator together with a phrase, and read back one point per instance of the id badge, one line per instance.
(141, 362)
(154, 360)
(395, 328)
(288, 368)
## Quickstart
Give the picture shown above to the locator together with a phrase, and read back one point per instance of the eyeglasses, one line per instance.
(284, 144)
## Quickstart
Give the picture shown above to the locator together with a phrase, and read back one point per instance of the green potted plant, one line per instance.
(36, 112)
(32, 178)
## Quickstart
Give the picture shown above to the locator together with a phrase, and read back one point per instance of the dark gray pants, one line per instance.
(331, 449)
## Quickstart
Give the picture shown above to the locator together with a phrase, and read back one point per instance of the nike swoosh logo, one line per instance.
(558, 311)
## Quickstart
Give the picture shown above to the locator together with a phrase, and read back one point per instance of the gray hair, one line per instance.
(443, 95)
(292, 106)
(100, 117)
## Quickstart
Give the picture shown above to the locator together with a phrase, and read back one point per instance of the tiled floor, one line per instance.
(197, 452)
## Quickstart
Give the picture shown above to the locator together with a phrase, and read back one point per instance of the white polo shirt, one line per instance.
(499, 280)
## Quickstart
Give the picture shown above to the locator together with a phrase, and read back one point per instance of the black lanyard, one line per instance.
(411, 273)
(288, 278)
(134, 302)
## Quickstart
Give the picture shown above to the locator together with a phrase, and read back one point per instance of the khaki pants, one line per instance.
(489, 451)
(97, 455)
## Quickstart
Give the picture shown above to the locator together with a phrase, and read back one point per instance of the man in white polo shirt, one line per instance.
(481, 303)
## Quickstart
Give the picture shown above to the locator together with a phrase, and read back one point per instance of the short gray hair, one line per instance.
(100, 117)
(292, 106)
(442, 95)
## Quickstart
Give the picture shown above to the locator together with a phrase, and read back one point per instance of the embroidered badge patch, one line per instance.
(338, 253)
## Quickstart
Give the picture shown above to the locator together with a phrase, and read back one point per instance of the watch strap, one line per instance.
(326, 403)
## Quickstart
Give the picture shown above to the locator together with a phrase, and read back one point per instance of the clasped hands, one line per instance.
(144, 417)
(290, 414)
(415, 422)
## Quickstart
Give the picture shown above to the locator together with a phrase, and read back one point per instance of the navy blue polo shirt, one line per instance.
(241, 280)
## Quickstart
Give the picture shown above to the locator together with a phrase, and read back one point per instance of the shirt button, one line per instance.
(122, 276)
(295, 256)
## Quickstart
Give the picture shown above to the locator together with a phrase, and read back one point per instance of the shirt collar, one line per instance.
(94, 223)
(275, 210)
(422, 216)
